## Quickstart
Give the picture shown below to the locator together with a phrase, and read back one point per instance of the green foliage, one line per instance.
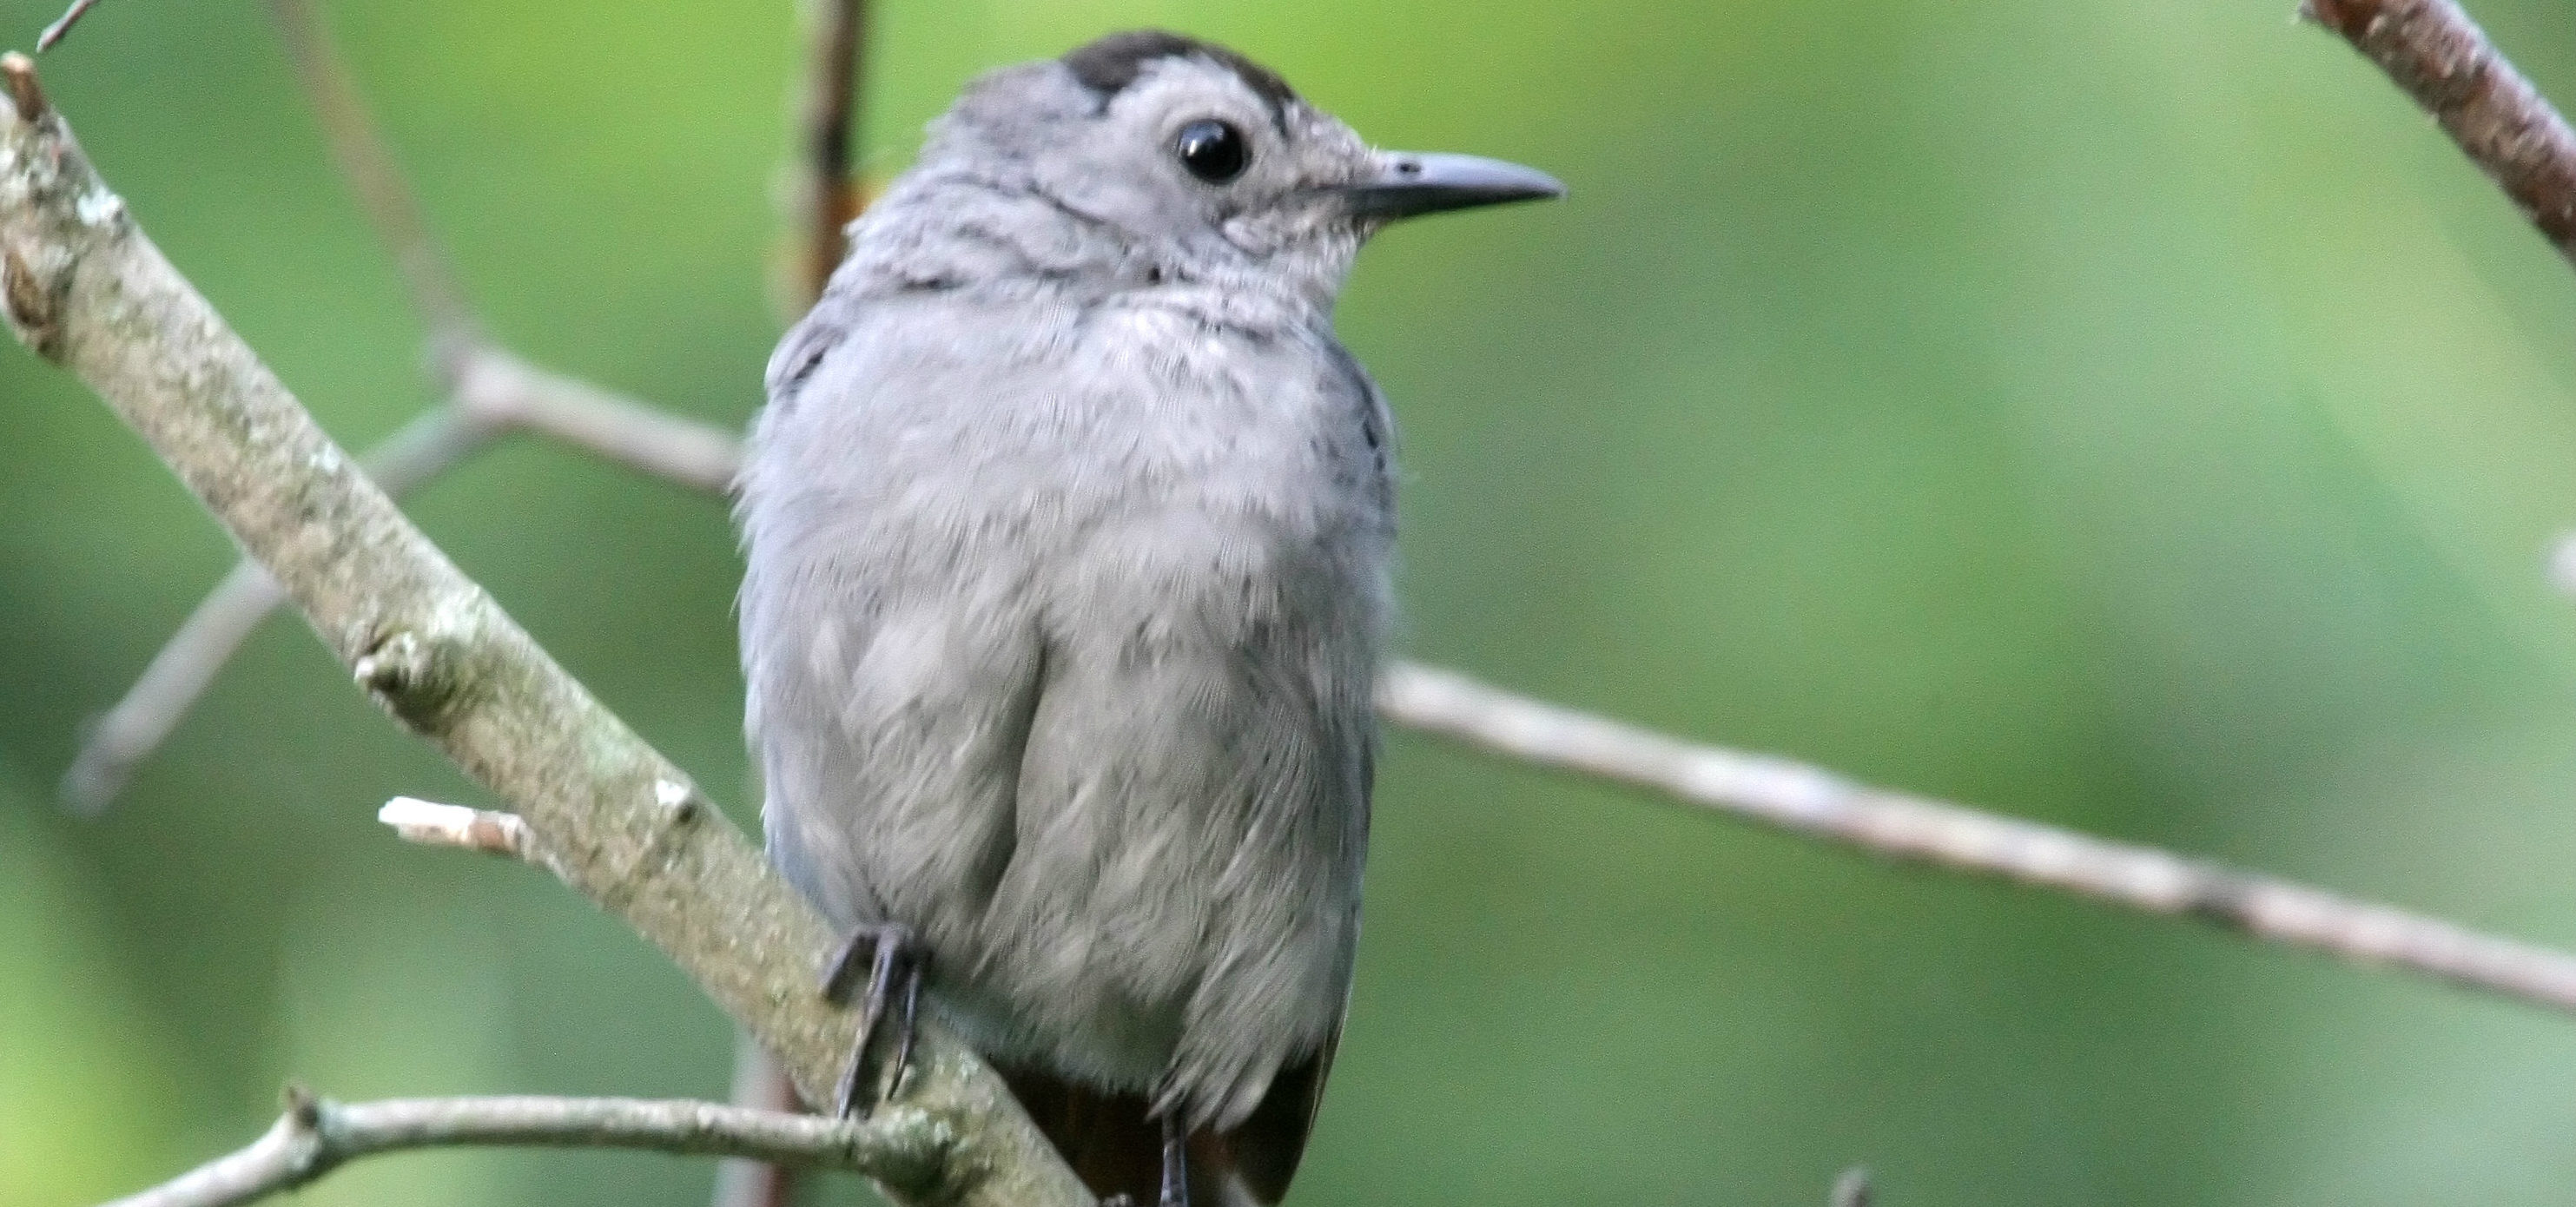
(2133, 416)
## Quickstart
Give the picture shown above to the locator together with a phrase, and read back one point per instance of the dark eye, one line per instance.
(1212, 150)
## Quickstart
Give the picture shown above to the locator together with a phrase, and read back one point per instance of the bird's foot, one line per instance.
(894, 962)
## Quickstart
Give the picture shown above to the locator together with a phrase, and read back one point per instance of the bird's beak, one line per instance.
(1411, 183)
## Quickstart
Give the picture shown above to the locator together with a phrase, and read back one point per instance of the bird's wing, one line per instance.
(890, 681)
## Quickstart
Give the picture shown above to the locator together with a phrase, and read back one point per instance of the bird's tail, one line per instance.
(1115, 1145)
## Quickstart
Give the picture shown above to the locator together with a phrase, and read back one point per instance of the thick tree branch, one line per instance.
(86, 289)
(1810, 800)
(901, 1147)
(2433, 51)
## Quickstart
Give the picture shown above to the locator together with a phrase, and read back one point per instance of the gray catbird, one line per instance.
(1068, 524)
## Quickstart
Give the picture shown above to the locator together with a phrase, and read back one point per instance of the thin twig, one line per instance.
(2437, 55)
(368, 163)
(496, 393)
(63, 25)
(432, 824)
(122, 737)
(512, 395)
(898, 1146)
(829, 195)
(619, 822)
(1812, 801)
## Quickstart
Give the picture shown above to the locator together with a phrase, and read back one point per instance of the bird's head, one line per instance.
(1158, 159)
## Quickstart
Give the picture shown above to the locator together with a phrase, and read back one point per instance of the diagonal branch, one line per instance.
(62, 25)
(901, 1147)
(2437, 55)
(87, 290)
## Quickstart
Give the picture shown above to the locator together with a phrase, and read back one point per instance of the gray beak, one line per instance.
(1413, 183)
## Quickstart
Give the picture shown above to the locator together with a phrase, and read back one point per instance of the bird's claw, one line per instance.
(894, 966)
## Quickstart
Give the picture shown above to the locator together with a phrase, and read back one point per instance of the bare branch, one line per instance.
(120, 739)
(901, 1146)
(86, 289)
(1812, 801)
(62, 25)
(828, 192)
(512, 394)
(2432, 50)
(496, 393)
(369, 165)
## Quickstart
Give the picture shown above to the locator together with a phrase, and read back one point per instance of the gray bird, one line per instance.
(1068, 526)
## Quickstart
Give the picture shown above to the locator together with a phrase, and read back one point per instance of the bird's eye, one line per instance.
(1212, 150)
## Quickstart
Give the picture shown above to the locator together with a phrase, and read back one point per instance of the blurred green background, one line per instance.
(2132, 416)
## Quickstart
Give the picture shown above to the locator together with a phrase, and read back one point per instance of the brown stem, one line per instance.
(831, 195)
(2433, 51)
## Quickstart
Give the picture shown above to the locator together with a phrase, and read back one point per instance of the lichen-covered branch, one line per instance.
(1813, 801)
(900, 1147)
(2437, 55)
(86, 289)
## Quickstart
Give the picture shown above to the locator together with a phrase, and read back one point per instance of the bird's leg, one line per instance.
(894, 965)
(1176, 1160)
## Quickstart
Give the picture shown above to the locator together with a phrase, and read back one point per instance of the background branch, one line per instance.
(63, 24)
(1815, 802)
(900, 1146)
(86, 289)
(496, 394)
(828, 193)
(2434, 53)
(368, 163)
